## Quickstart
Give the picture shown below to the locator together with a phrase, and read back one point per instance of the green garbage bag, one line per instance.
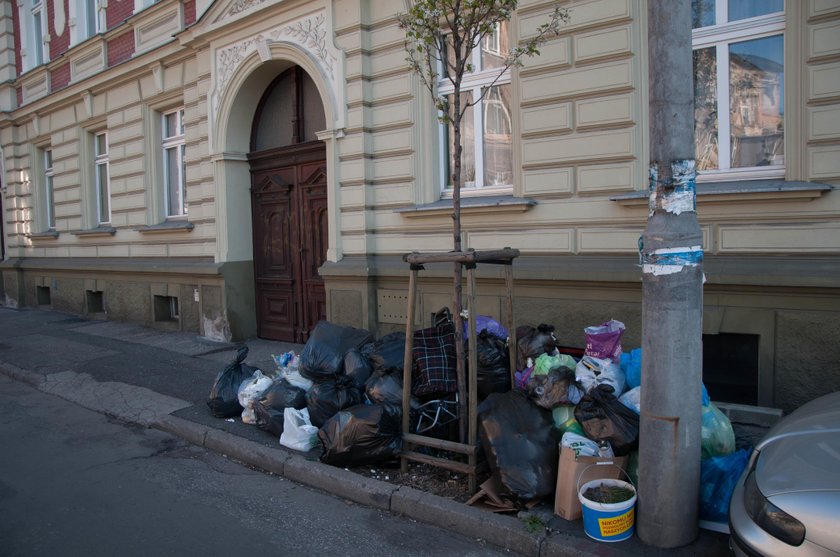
(546, 362)
(716, 437)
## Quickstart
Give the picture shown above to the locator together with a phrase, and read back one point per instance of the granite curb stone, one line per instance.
(189, 431)
(340, 482)
(502, 531)
(23, 375)
(246, 451)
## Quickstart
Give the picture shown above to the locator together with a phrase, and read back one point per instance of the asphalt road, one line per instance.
(74, 482)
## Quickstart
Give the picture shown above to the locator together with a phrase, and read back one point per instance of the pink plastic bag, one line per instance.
(604, 341)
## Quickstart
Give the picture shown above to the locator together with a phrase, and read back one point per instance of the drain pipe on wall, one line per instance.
(672, 292)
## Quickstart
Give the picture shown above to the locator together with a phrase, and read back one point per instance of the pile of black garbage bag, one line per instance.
(351, 385)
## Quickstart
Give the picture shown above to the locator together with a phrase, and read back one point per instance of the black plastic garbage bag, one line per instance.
(604, 418)
(323, 356)
(493, 364)
(325, 399)
(362, 434)
(551, 389)
(532, 342)
(387, 388)
(282, 394)
(224, 399)
(269, 419)
(521, 444)
(387, 355)
(357, 367)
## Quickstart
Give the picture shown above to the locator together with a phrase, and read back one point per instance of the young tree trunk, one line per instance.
(457, 275)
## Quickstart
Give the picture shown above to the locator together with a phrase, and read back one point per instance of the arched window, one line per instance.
(290, 112)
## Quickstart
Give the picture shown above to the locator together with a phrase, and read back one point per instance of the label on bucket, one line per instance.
(616, 525)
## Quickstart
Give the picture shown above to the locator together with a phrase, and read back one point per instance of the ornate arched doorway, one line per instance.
(289, 207)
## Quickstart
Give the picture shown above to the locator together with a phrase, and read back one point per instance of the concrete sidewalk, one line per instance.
(162, 380)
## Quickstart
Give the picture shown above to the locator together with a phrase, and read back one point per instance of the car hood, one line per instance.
(802, 453)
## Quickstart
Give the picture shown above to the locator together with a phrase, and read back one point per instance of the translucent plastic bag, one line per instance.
(298, 431)
(632, 399)
(591, 372)
(546, 362)
(582, 446)
(249, 391)
(717, 438)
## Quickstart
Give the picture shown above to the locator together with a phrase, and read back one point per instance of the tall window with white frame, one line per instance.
(486, 135)
(739, 88)
(37, 42)
(49, 195)
(103, 185)
(174, 171)
(91, 13)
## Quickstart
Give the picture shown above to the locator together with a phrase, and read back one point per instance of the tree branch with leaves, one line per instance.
(440, 36)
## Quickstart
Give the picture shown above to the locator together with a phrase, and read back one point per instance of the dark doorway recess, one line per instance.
(289, 208)
(730, 367)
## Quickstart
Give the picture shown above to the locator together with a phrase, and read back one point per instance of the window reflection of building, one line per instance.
(757, 126)
(486, 136)
(498, 141)
(738, 64)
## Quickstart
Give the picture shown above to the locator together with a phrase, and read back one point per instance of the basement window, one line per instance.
(94, 301)
(43, 295)
(166, 308)
(730, 367)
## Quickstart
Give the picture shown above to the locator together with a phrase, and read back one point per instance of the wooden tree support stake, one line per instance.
(469, 259)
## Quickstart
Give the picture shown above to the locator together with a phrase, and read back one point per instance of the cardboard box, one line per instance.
(573, 468)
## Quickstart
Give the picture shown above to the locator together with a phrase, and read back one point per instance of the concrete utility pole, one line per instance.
(672, 292)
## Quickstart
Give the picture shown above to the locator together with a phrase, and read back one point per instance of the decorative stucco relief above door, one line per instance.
(311, 35)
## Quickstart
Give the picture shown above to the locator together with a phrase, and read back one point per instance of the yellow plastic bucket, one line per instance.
(608, 522)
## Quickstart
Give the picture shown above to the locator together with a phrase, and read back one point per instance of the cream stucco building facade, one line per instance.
(85, 128)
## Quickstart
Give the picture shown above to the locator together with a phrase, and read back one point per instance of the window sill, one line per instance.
(744, 191)
(166, 226)
(45, 235)
(94, 232)
(471, 205)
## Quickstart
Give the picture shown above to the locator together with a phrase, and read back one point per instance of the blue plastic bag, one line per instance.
(631, 365)
(718, 476)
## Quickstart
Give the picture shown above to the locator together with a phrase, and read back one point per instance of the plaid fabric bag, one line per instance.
(434, 360)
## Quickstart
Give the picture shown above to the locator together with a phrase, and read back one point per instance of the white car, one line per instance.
(787, 501)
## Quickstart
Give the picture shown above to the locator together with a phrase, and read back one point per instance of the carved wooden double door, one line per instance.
(289, 204)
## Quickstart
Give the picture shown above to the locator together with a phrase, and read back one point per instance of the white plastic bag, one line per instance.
(632, 399)
(249, 391)
(296, 379)
(590, 372)
(583, 446)
(298, 431)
